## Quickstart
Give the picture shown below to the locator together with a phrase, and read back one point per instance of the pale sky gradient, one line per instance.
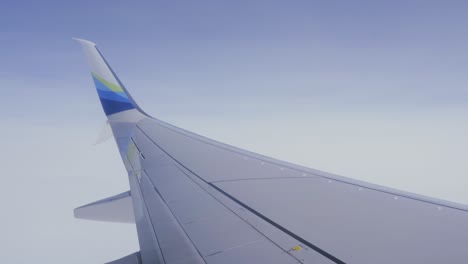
(374, 90)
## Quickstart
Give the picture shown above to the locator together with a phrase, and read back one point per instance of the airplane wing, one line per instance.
(196, 200)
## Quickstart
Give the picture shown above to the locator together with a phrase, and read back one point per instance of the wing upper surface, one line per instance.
(342, 220)
(220, 229)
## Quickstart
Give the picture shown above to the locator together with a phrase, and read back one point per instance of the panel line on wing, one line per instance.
(268, 178)
(170, 210)
(228, 208)
(147, 214)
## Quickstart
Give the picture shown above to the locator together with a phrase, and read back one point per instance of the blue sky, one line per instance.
(354, 54)
(374, 90)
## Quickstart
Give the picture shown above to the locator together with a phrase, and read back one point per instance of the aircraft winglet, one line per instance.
(112, 93)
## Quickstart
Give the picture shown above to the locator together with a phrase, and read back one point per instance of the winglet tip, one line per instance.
(84, 42)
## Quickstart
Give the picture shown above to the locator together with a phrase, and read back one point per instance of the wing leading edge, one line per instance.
(196, 200)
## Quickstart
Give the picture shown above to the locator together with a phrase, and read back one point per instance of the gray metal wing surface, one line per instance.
(196, 200)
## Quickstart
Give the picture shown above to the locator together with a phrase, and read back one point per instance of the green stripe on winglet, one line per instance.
(111, 86)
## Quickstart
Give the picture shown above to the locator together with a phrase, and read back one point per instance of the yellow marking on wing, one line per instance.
(296, 248)
(131, 151)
